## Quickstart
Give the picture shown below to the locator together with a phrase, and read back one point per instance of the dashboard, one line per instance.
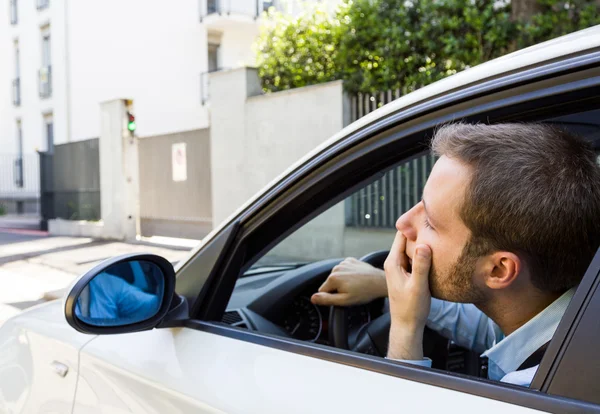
(278, 302)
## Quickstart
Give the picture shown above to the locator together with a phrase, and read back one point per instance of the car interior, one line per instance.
(273, 295)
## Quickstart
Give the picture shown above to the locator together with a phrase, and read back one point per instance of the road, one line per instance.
(16, 236)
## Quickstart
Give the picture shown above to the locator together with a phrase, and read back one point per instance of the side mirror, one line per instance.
(128, 293)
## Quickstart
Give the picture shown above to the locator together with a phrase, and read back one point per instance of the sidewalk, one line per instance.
(41, 268)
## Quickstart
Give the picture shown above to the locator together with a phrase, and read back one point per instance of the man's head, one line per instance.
(505, 205)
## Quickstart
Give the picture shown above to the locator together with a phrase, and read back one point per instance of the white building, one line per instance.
(60, 58)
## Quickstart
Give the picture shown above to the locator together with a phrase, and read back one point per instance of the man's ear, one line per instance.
(502, 269)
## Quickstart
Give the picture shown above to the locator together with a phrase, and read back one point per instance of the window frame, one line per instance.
(512, 97)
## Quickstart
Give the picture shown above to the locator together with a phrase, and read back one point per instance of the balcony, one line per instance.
(212, 11)
(16, 91)
(45, 81)
(42, 4)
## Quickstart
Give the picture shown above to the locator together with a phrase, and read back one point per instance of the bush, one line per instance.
(377, 45)
(556, 19)
(2, 209)
(296, 52)
(393, 44)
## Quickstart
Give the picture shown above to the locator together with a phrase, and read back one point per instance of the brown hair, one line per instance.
(534, 191)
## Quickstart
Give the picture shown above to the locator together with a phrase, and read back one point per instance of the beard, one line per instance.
(456, 284)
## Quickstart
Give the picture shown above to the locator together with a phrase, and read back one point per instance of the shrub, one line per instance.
(377, 45)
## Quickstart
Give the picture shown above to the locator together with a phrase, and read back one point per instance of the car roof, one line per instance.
(554, 49)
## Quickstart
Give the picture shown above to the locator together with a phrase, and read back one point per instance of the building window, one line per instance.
(266, 4)
(49, 132)
(213, 57)
(45, 72)
(18, 167)
(13, 11)
(212, 6)
(16, 84)
(42, 4)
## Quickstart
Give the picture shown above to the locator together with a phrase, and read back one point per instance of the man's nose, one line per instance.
(406, 223)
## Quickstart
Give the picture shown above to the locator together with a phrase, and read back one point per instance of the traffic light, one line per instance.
(131, 122)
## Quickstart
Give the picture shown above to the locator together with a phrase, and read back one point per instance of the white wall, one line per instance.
(256, 137)
(152, 52)
(236, 46)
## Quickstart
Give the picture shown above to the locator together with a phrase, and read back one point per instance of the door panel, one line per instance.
(38, 362)
(182, 370)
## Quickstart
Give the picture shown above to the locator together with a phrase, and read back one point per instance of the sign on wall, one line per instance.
(179, 161)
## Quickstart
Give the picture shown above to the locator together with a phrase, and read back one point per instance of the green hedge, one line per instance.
(376, 45)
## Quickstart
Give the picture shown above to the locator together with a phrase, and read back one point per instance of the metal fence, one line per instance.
(70, 181)
(19, 183)
(379, 204)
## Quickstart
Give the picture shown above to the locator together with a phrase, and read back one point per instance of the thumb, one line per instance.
(421, 264)
(329, 299)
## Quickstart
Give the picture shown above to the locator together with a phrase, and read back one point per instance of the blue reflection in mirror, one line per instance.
(125, 293)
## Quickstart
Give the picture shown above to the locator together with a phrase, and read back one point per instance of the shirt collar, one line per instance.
(510, 352)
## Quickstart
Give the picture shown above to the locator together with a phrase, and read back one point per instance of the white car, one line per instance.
(231, 329)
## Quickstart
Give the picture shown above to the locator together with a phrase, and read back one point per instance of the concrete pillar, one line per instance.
(229, 91)
(119, 173)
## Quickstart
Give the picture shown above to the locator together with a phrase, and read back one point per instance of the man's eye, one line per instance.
(427, 224)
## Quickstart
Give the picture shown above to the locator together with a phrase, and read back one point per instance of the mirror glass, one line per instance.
(125, 293)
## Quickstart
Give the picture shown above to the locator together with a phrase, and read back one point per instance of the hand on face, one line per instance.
(409, 297)
(352, 282)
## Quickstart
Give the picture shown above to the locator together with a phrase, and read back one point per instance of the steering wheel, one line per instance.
(373, 338)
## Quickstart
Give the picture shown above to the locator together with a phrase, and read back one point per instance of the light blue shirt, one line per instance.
(112, 301)
(470, 328)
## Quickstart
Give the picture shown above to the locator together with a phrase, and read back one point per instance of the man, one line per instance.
(108, 300)
(508, 223)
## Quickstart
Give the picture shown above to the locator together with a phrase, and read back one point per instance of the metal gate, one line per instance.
(381, 203)
(70, 182)
(46, 190)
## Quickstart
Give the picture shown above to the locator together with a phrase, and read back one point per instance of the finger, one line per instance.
(404, 263)
(330, 285)
(421, 264)
(330, 299)
(398, 245)
(392, 262)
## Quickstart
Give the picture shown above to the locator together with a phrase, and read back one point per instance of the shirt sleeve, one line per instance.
(464, 324)
(523, 377)
(135, 304)
(425, 362)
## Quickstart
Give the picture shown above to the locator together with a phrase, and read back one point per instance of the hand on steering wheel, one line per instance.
(353, 282)
(356, 282)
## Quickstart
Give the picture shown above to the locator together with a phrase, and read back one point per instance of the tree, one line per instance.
(378, 45)
(392, 44)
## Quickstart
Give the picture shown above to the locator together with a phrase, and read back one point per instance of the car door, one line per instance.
(39, 362)
(203, 365)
